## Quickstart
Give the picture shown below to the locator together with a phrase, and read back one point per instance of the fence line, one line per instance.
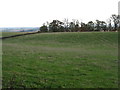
(17, 35)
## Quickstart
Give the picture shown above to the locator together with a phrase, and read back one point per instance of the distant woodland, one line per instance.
(112, 24)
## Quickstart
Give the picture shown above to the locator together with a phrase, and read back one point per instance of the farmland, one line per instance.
(4, 34)
(61, 60)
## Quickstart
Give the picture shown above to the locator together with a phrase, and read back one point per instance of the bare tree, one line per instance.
(115, 19)
(66, 24)
(109, 25)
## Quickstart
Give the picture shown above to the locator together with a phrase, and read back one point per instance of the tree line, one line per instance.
(112, 24)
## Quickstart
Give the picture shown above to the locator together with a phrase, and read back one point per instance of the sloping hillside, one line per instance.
(64, 60)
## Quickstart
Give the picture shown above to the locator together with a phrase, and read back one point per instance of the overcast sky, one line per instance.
(33, 13)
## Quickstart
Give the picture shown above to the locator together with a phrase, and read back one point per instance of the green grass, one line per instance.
(61, 60)
(4, 34)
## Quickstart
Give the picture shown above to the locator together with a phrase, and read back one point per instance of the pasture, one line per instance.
(61, 60)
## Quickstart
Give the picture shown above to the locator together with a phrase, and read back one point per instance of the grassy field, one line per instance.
(4, 34)
(61, 60)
